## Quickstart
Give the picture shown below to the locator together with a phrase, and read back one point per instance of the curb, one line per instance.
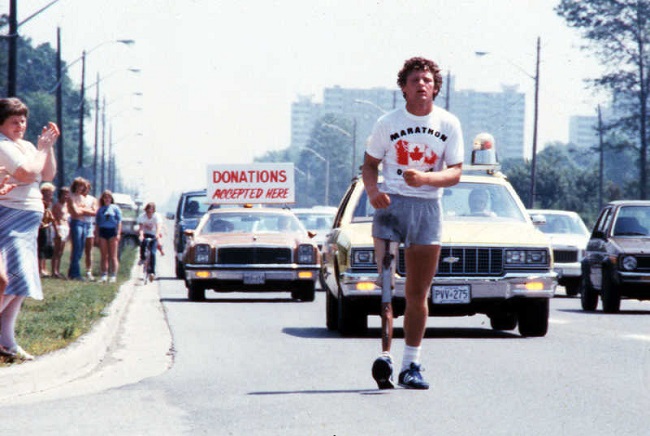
(75, 361)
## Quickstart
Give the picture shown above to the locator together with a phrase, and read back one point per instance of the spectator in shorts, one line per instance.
(61, 229)
(108, 229)
(91, 203)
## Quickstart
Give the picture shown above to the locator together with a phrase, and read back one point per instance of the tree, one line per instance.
(619, 32)
(35, 85)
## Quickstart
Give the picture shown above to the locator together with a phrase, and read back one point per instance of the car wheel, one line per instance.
(611, 296)
(331, 311)
(305, 292)
(351, 321)
(503, 321)
(195, 293)
(588, 295)
(572, 286)
(533, 317)
(180, 271)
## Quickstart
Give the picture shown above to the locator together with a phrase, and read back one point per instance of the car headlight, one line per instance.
(363, 258)
(306, 254)
(202, 253)
(629, 263)
(526, 257)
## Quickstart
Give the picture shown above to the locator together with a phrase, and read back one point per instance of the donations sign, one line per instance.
(251, 183)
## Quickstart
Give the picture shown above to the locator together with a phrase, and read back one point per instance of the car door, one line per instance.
(596, 248)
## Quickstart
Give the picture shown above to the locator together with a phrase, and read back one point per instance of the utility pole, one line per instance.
(531, 200)
(13, 41)
(601, 163)
(59, 113)
(82, 108)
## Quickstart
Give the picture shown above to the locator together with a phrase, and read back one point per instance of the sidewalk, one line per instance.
(132, 342)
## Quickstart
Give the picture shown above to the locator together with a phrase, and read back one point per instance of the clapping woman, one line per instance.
(21, 211)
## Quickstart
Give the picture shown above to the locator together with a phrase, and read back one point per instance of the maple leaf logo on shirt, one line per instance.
(418, 154)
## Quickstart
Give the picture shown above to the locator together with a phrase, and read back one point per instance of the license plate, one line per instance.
(450, 294)
(254, 278)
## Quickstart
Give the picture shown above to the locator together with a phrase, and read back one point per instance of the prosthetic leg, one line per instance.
(382, 369)
(387, 290)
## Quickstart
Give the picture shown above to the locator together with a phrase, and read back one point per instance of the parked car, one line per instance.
(568, 235)
(617, 262)
(494, 262)
(192, 205)
(250, 250)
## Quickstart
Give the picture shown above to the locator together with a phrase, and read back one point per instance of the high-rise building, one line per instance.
(499, 113)
(583, 131)
(304, 114)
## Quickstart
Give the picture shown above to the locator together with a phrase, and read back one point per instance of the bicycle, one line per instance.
(147, 276)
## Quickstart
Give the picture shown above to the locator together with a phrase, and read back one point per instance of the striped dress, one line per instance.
(21, 212)
(18, 233)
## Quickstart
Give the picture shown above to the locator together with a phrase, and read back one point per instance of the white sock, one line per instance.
(411, 355)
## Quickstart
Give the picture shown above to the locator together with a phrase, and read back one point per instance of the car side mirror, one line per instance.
(311, 234)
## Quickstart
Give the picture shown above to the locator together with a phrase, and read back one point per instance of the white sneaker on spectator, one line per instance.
(113, 279)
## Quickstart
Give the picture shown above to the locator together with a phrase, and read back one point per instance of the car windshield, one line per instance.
(195, 206)
(632, 221)
(246, 222)
(465, 201)
(563, 223)
(315, 220)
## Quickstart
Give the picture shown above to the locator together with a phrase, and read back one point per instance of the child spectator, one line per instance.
(46, 230)
(61, 230)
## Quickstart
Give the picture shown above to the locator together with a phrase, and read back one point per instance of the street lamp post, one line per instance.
(327, 172)
(80, 151)
(531, 199)
(352, 136)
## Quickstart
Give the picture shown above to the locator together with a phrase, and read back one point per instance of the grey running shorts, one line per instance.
(411, 220)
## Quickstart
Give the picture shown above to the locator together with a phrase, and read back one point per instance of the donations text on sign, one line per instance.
(251, 183)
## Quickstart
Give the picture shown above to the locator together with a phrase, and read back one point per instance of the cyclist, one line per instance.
(150, 223)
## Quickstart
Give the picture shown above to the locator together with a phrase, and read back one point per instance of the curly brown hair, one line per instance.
(420, 63)
(12, 106)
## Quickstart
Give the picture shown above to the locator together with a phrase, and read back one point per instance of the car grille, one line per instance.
(643, 263)
(254, 255)
(565, 256)
(468, 261)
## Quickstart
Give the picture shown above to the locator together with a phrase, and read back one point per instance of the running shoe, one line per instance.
(104, 278)
(112, 279)
(382, 372)
(412, 379)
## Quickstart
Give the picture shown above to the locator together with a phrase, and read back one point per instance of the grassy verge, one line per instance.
(69, 308)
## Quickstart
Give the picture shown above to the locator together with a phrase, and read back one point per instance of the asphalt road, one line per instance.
(261, 364)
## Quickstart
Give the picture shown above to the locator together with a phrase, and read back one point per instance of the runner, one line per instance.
(421, 149)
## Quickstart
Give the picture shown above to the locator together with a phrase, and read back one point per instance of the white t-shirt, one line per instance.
(151, 225)
(426, 143)
(13, 155)
(90, 201)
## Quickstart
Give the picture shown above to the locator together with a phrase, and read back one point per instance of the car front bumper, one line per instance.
(251, 275)
(566, 270)
(541, 285)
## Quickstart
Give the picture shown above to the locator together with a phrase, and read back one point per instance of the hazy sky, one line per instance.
(218, 77)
